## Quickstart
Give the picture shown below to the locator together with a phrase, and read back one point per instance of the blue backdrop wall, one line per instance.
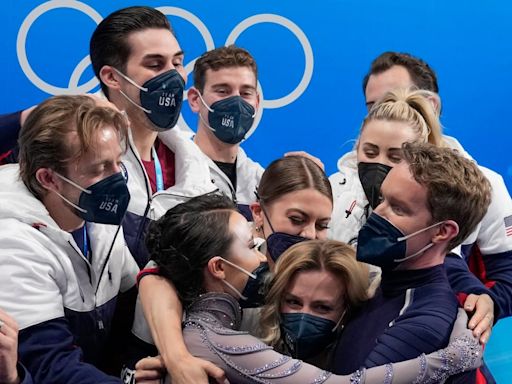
(312, 57)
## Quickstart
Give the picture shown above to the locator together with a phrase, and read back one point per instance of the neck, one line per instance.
(432, 257)
(144, 140)
(143, 136)
(213, 147)
(61, 213)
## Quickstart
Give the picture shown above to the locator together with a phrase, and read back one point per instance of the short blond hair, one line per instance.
(45, 136)
(413, 107)
(313, 255)
(456, 188)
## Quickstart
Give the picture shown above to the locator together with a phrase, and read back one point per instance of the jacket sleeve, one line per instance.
(31, 284)
(488, 250)
(462, 280)
(9, 131)
(24, 375)
(48, 352)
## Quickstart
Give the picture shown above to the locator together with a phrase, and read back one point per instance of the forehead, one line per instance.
(235, 76)
(239, 227)
(387, 133)
(319, 285)
(152, 41)
(379, 84)
(104, 143)
(307, 200)
(400, 184)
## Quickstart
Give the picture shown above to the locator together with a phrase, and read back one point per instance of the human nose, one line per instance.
(309, 231)
(382, 209)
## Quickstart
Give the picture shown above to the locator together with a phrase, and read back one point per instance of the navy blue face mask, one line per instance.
(253, 295)
(372, 176)
(279, 242)
(104, 202)
(382, 244)
(230, 119)
(161, 98)
(254, 290)
(306, 335)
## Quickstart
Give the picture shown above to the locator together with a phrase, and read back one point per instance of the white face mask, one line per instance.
(229, 285)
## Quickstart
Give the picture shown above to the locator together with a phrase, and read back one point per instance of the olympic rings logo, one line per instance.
(74, 88)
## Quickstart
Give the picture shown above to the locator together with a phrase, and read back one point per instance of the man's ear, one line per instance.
(216, 268)
(436, 102)
(110, 77)
(257, 214)
(193, 99)
(48, 179)
(446, 232)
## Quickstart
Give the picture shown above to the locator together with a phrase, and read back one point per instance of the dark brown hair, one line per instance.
(422, 75)
(290, 174)
(224, 57)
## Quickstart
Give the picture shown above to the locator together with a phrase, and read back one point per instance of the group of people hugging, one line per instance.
(134, 251)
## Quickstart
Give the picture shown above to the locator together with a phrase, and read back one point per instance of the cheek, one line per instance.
(183, 74)
(321, 235)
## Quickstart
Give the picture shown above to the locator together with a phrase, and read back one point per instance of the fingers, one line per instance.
(316, 160)
(482, 320)
(151, 363)
(8, 321)
(486, 335)
(470, 303)
(215, 372)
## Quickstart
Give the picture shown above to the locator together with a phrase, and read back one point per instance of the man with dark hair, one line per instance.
(139, 62)
(226, 99)
(393, 70)
(432, 201)
(64, 259)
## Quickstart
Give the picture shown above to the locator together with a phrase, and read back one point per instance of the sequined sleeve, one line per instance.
(246, 359)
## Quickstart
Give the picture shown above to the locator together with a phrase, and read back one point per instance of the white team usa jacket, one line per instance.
(43, 274)
(195, 174)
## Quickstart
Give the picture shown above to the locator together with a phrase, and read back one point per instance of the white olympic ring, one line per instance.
(22, 51)
(75, 88)
(299, 34)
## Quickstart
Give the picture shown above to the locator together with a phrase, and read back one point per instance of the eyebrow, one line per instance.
(222, 85)
(368, 144)
(150, 56)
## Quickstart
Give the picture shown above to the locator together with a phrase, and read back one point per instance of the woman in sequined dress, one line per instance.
(210, 270)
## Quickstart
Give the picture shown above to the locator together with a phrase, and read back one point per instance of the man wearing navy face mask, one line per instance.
(431, 201)
(63, 255)
(226, 100)
(139, 62)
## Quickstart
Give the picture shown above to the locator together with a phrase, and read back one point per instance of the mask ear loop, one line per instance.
(339, 321)
(76, 186)
(229, 285)
(415, 254)
(209, 109)
(418, 232)
(135, 85)
(422, 249)
(264, 211)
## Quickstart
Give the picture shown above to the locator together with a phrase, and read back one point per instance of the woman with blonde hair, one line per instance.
(403, 115)
(315, 287)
